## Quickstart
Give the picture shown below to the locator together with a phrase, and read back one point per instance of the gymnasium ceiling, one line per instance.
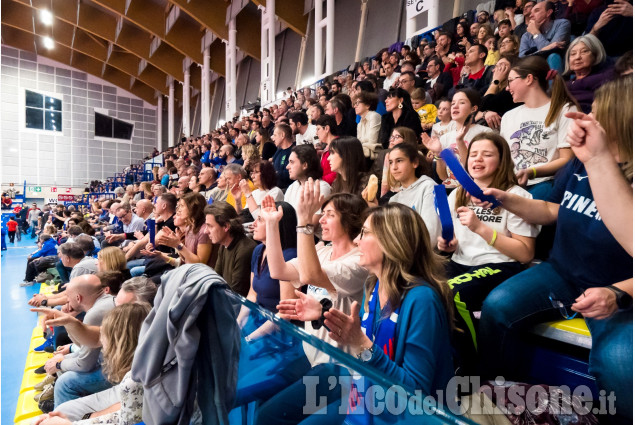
(139, 45)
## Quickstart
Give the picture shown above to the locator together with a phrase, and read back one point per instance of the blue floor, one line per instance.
(17, 323)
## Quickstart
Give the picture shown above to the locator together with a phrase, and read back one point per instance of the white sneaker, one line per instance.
(26, 283)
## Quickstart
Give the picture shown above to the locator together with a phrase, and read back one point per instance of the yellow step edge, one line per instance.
(36, 342)
(576, 326)
(35, 360)
(27, 407)
(47, 289)
(37, 333)
(29, 380)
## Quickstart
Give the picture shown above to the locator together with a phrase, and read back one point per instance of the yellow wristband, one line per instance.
(493, 241)
(534, 170)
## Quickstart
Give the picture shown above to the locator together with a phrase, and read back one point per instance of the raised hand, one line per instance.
(244, 187)
(168, 238)
(346, 328)
(432, 143)
(310, 201)
(304, 308)
(237, 193)
(55, 317)
(586, 137)
(501, 71)
(269, 212)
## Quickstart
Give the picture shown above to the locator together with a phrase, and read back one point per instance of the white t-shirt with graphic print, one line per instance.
(472, 249)
(532, 144)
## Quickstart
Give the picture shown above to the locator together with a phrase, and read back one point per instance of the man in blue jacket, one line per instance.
(48, 246)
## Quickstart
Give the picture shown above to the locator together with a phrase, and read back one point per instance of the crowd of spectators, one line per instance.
(526, 99)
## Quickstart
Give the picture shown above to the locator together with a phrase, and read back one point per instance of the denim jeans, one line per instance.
(555, 62)
(33, 228)
(541, 190)
(137, 271)
(523, 301)
(64, 272)
(136, 267)
(136, 263)
(73, 385)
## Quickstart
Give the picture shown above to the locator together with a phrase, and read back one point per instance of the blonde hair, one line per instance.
(146, 187)
(418, 94)
(409, 258)
(499, 15)
(617, 118)
(120, 332)
(50, 229)
(250, 152)
(112, 258)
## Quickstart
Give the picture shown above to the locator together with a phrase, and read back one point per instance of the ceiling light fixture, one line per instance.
(46, 17)
(48, 42)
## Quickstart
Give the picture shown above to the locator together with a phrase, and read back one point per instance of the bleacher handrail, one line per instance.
(346, 359)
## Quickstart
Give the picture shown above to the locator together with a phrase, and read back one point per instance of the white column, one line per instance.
(230, 72)
(360, 34)
(330, 35)
(171, 115)
(319, 24)
(268, 53)
(322, 22)
(186, 103)
(205, 93)
(160, 123)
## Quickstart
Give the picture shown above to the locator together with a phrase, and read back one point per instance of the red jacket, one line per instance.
(327, 175)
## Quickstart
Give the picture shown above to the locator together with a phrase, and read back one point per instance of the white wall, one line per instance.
(73, 156)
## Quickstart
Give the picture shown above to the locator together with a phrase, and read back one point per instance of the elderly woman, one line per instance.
(585, 64)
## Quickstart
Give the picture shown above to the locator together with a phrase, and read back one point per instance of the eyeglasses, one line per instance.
(562, 307)
(363, 232)
(395, 137)
(509, 80)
